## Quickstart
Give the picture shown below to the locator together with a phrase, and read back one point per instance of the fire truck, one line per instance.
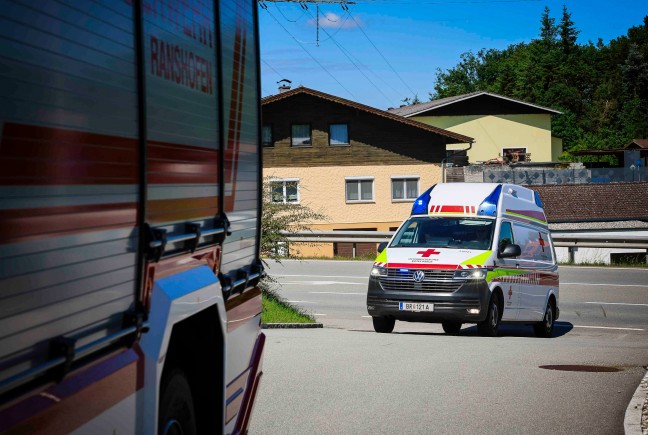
(130, 180)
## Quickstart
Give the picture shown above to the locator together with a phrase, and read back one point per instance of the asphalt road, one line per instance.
(347, 379)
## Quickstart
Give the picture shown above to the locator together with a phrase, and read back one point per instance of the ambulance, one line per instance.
(475, 253)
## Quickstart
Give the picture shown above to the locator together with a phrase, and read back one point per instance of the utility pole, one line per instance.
(303, 4)
(340, 2)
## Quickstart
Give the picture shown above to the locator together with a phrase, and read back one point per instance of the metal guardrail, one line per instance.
(560, 240)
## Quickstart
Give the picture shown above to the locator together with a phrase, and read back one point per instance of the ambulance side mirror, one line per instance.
(381, 246)
(510, 250)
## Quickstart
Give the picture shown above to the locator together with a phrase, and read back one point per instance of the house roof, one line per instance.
(450, 136)
(638, 143)
(594, 202)
(421, 108)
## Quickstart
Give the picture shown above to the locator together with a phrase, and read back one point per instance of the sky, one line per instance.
(379, 52)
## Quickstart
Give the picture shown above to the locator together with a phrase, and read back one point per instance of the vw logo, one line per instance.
(418, 276)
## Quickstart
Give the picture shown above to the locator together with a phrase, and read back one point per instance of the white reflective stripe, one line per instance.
(68, 241)
(174, 191)
(17, 197)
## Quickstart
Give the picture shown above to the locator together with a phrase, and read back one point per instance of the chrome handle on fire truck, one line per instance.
(61, 363)
(158, 242)
(245, 279)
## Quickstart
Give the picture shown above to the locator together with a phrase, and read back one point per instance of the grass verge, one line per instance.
(278, 310)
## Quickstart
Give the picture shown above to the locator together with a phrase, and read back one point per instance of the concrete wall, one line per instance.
(492, 133)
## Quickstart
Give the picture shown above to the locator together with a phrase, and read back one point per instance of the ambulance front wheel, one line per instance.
(451, 327)
(382, 324)
(489, 327)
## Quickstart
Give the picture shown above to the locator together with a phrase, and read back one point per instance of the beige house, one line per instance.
(503, 128)
(362, 167)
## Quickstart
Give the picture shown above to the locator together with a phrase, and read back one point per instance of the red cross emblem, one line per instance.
(510, 292)
(429, 252)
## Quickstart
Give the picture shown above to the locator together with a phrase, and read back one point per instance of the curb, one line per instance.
(291, 325)
(636, 416)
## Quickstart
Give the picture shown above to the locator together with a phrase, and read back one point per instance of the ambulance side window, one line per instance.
(505, 237)
(534, 244)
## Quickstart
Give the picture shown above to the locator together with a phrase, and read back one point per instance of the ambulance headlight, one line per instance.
(470, 274)
(378, 271)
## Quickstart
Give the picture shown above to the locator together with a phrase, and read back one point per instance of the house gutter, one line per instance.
(443, 168)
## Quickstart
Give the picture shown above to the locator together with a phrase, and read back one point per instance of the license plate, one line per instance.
(415, 306)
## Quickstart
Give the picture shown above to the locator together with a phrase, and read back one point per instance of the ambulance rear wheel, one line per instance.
(451, 327)
(177, 415)
(544, 329)
(488, 328)
(384, 325)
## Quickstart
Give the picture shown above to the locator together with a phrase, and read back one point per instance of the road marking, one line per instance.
(324, 283)
(601, 268)
(317, 314)
(336, 293)
(616, 303)
(608, 327)
(300, 302)
(609, 285)
(368, 317)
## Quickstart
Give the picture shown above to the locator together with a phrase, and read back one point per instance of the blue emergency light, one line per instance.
(489, 206)
(422, 202)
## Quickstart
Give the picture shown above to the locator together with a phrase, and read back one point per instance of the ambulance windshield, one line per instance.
(458, 233)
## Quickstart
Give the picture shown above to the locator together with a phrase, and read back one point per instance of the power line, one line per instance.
(419, 2)
(271, 67)
(381, 79)
(286, 18)
(305, 8)
(310, 55)
(352, 62)
(403, 2)
(381, 55)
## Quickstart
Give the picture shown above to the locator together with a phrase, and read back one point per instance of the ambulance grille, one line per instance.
(436, 280)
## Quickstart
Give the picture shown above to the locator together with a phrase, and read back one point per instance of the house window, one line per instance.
(405, 188)
(339, 134)
(285, 191)
(359, 189)
(266, 136)
(301, 135)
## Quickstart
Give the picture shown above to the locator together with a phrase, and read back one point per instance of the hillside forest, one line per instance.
(601, 89)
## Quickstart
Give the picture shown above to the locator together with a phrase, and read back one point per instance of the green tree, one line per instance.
(635, 74)
(601, 89)
(548, 30)
(461, 79)
(568, 32)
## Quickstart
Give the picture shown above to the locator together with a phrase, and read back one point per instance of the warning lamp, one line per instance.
(489, 206)
(422, 202)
